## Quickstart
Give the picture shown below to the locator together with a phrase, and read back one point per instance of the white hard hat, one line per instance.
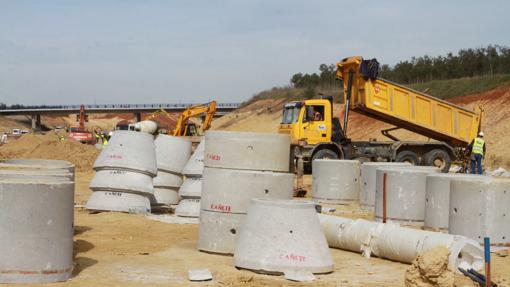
(480, 134)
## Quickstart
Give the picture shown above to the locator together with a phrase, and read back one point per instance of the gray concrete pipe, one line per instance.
(195, 165)
(101, 200)
(218, 232)
(167, 179)
(165, 196)
(480, 207)
(335, 181)
(247, 150)
(188, 207)
(122, 180)
(368, 182)
(44, 165)
(172, 153)
(36, 240)
(127, 157)
(398, 243)
(437, 200)
(191, 188)
(405, 194)
(282, 235)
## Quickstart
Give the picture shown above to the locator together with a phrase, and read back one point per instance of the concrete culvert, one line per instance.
(165, 196)
(172, 153)
(191, 188)
(272, 241)
(480, 207)
(335, 181)
(167, 179)
(188, 207)
(368, 182)
(42, 165)
(437, 200)
(247, 150)
(195, 165)
(218, 231)
(101, 200)
(36, 240)
(405, 194)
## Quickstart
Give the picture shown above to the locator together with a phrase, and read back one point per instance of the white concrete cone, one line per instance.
(188, 207)
(280, 236)
(165, 196)
(118, 201)
(405, 194)
(218, 231)
(191, 188)
(172, 153)
(167, 179)
(122, 180)
(368, 182)
(129, 150)
(36, 231)
(479, 207)
(335, 181)
(195, 165)
(247, 150)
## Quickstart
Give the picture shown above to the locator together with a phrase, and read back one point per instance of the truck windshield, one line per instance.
(290, 114)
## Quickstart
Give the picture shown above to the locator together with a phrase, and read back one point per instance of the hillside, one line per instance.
(264, 116)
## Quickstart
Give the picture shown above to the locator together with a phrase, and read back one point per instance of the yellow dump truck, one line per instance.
(316, 133)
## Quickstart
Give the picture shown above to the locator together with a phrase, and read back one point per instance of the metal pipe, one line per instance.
(347, 101)
(487, 251)
(385, 178)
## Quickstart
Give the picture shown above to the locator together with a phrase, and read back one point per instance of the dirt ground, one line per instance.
(117, 249)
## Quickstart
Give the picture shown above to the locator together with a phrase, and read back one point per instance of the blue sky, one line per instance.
(63, 52)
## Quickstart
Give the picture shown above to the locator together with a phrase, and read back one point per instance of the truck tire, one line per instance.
(325, 154)
(438, 158)
(407, 156)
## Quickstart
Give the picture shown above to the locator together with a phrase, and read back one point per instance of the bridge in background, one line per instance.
(137, 109)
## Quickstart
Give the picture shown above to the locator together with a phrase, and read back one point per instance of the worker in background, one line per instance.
(104, 139)
(96, 135)
(61, 138)
(477, 147)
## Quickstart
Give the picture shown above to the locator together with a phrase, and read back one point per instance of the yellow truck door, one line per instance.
(314, 124)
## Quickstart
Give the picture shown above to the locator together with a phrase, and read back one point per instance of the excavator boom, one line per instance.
(208, 110)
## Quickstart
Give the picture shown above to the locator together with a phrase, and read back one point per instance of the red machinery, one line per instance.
(80, 133)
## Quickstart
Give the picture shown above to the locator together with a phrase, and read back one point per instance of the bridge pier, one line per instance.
(138, 117)
(36, 122)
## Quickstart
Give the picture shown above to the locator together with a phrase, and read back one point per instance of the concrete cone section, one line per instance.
(405, 194)
(122, 180)
(101, 200)
(230, 190)
(437, 200)
(191, 188)
(335, 181)
(129, 150)
(165, 196)
(124, 172)
(218, 231)
(479, 207)
(272, 241)
(172, 153)
(368, 182)
(36, 231)
(195, 165)
(167, 179)
(46, 165)
(188, 207)
(246, 150)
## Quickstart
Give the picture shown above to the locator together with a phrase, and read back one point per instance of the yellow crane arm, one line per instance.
(208, 110)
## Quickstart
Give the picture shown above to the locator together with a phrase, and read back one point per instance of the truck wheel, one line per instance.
(438, 158)
(407, 156)
(325, 154)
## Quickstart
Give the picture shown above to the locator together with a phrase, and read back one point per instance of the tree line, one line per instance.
(483, 61)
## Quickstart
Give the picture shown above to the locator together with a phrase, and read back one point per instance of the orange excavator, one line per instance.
(186, 128)
(79, 133)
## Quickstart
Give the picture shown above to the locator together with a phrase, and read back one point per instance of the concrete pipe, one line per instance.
(172, 153)
(437, 200)
(37, 172)
(165, 196)
(122, 180)
(195, 165)
(368, 178)
(118, 201)
(188, 207)
(398, 243)
(218, 232)
(335, 181)
(246, 150)
(132, 139)
(404, 201)
(167, 179)
(230, 190)
(36, 231)
(191, 188)
(127, 158)
(149, 127)
(38, 164)
(272, 241)
(480, 207)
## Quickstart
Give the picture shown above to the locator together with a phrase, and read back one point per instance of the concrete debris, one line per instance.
(199, 275)
(299, 276)
(172, 219)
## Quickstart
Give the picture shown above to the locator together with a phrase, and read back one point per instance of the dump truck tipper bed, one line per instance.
(406, 108)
